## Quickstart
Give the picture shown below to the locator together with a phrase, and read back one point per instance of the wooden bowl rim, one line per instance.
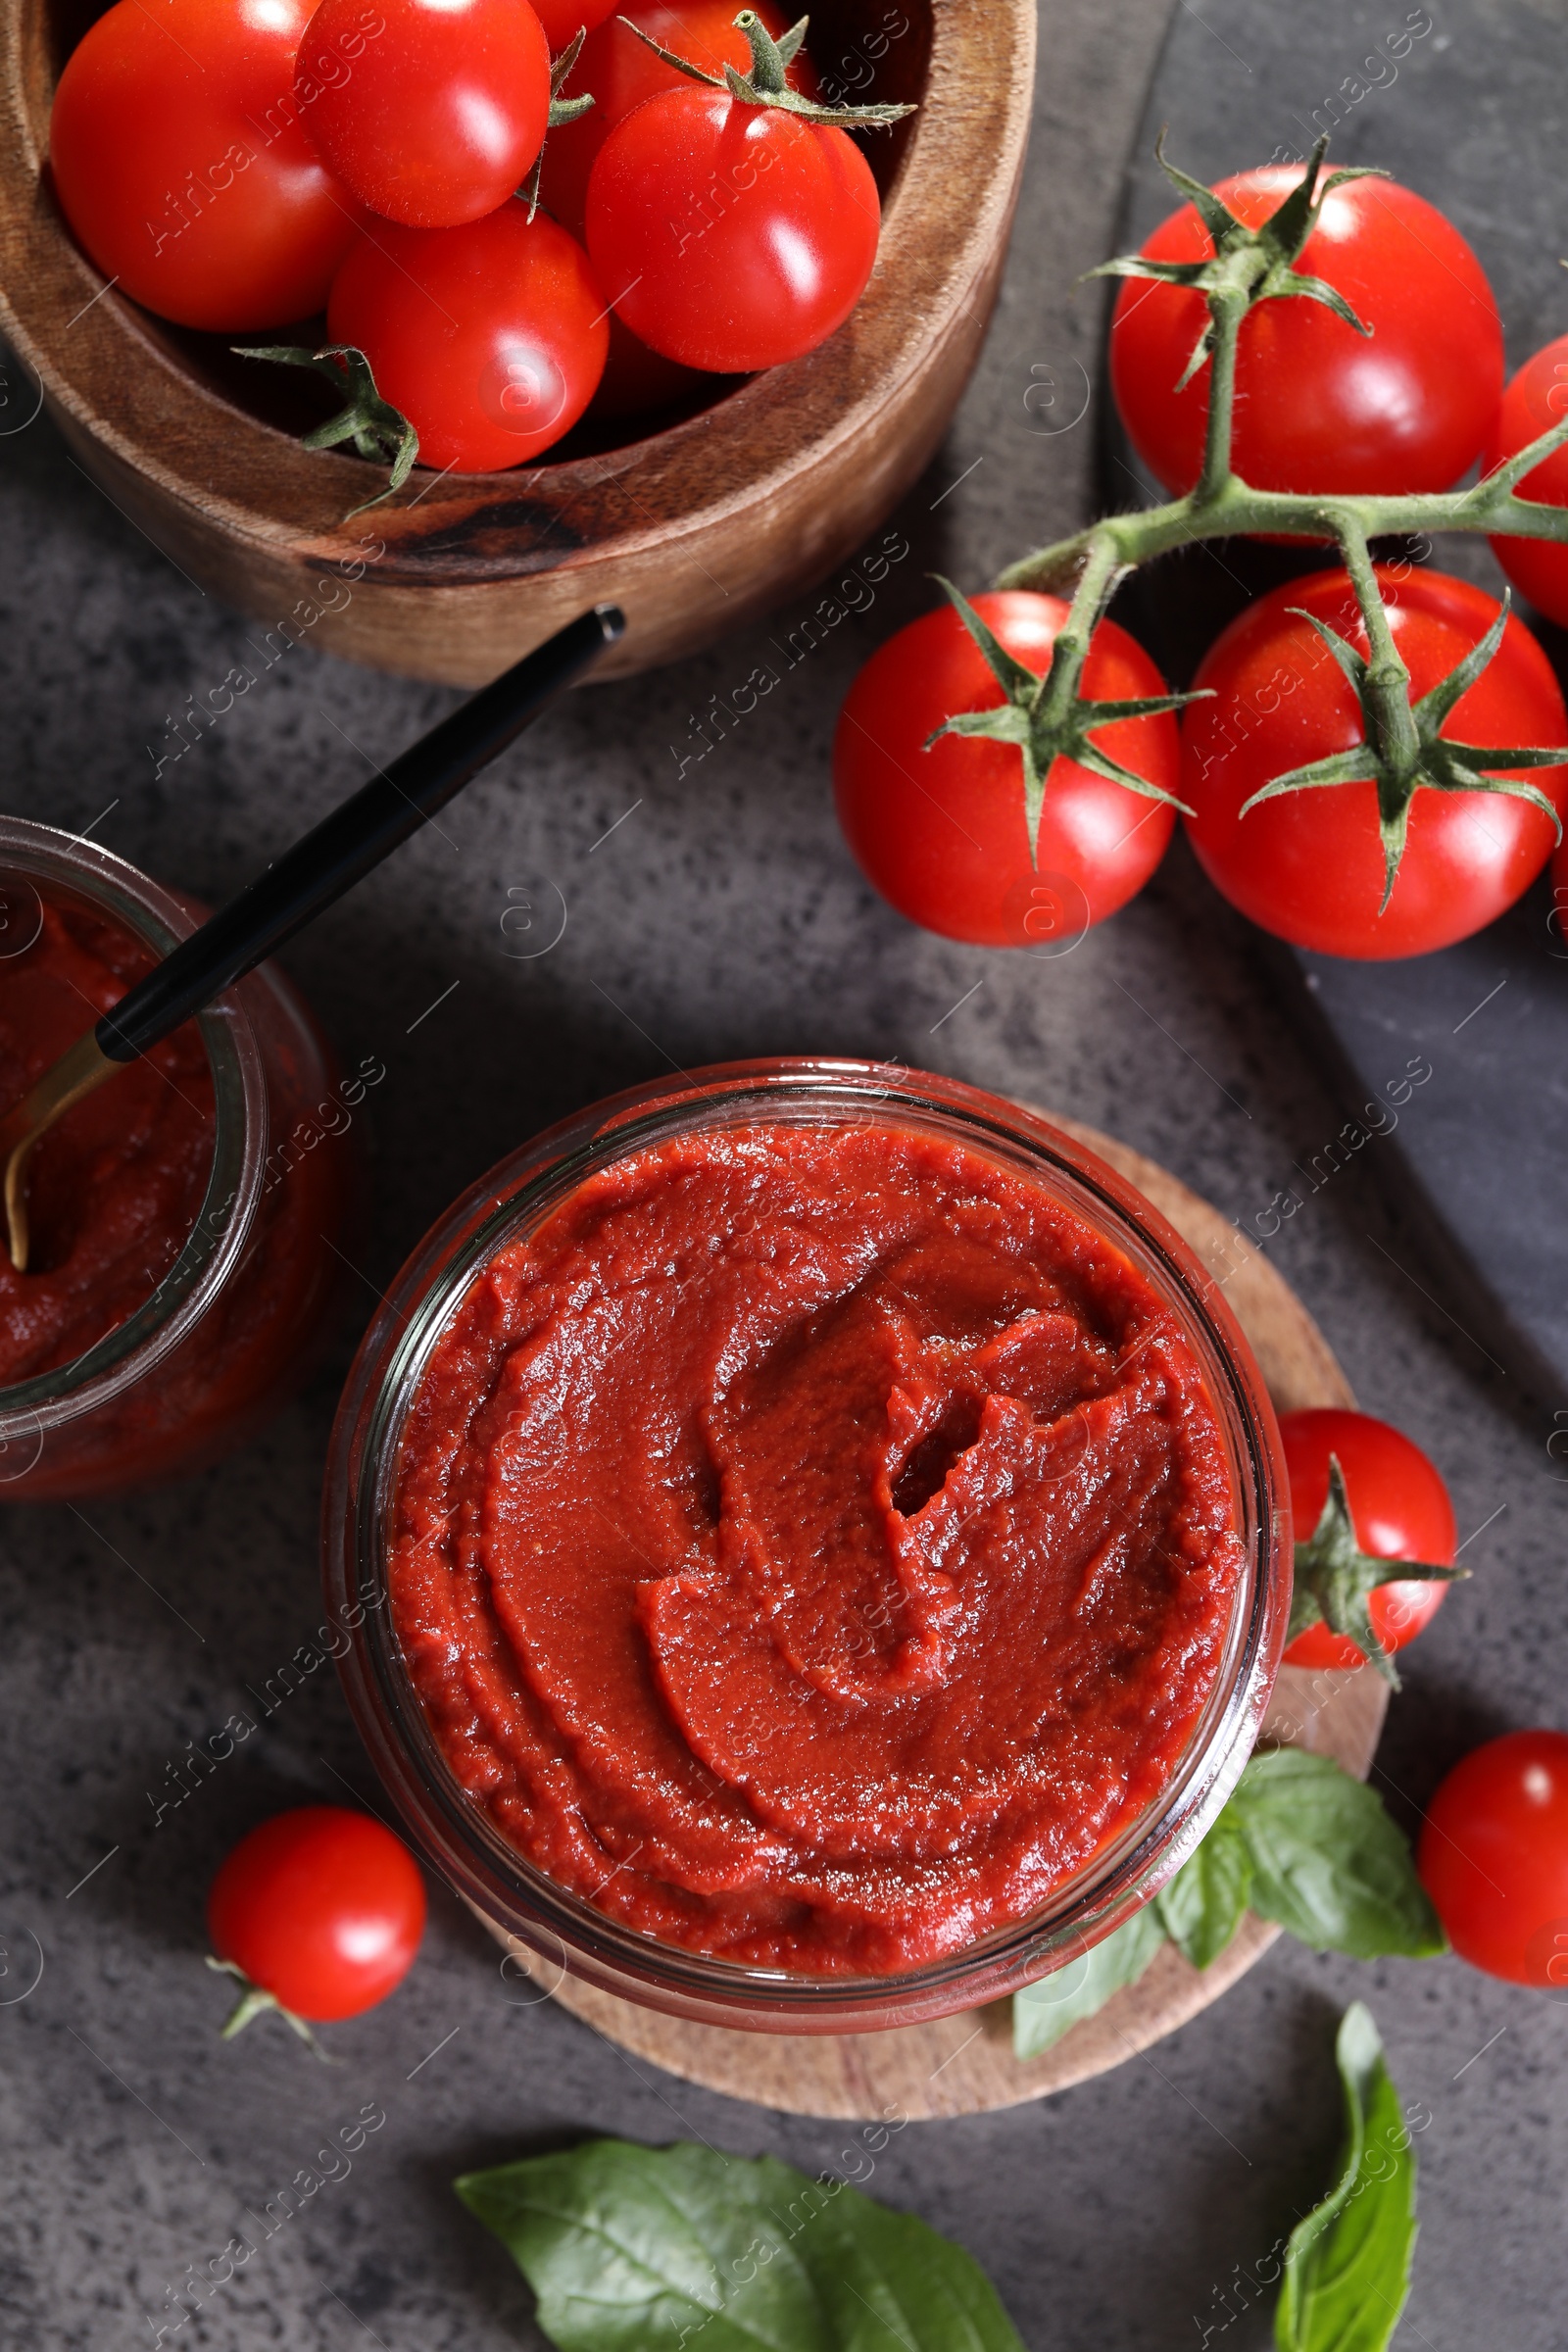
(957, 174)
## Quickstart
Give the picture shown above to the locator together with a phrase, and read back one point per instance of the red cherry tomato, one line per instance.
(621, 72)
(1319, 407)
(1535, 400)
(942, 833)
(1399, 1509)
(322, 1908)
(437, 119)
(1309, 865)
(180, 163)
(730, 236)
(1493, 1857)
(490, 338)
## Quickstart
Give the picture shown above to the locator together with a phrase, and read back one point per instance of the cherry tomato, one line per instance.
(1535, 400)
(1319, 407)
(942, 833)
(490, 338)
(438, 118)
(322, 1908)
(180, 163)
(1399, 1509)
(1309, 866)
(730, 236)
(621, 72)
(1493, 1857)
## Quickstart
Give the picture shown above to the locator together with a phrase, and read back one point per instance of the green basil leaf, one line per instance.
(1327, 1861)
(1348, 2265)
(633, 2249)
(1042, 2013)
(1201, 1908)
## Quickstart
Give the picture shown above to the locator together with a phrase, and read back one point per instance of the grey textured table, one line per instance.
(720, 917)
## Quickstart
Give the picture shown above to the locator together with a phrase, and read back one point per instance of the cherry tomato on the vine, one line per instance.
(182, 162)
(621, 72)
(1535, 400)
(1399, 1509)
(491, 338)
(322, 1908)
(438, 117)
(1319, 405)
(1309, 865)
(1493, 1857)
(942, 833)
(730, 236)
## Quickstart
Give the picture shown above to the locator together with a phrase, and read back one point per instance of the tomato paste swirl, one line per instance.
(812, 1545)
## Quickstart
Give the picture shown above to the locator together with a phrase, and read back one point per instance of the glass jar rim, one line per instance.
(490, 1872)
(80, 869)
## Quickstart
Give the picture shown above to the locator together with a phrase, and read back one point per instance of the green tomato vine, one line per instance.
(1402, 750)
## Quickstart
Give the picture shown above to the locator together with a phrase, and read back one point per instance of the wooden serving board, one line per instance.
(963, 2064)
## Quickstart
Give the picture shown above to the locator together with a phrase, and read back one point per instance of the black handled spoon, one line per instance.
(330, 859)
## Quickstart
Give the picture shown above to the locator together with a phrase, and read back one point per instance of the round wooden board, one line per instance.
(961, 2064)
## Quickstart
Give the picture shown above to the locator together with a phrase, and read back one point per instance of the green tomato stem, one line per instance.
(1387, 680)
(1101, 568)
(1226, 310)
(1232, 509)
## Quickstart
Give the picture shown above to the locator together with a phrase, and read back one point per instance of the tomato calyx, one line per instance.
(378, 430)
(1335, 1579)
(767, 83)
(567, 110)
(561, 109)
(1047, 720)
(1403, 750)
(1248, 265)
(253, 2000)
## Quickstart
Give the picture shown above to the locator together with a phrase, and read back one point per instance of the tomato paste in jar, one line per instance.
(115, 1185)
(117, 1190)
(812, 1545)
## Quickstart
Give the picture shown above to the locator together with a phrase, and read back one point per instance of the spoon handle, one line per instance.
(345, 846)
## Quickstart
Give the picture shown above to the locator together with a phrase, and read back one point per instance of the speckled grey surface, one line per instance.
(721, 917)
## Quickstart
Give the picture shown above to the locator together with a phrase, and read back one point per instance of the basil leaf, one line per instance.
(1348, 2265)
(1327, 1861)
(1042, 2013)
(1299, 1842)
(633, 2249)
(1201, 1908)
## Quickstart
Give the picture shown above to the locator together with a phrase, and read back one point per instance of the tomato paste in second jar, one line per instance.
(115, 1185)
(812, 1545)
(115, 1191)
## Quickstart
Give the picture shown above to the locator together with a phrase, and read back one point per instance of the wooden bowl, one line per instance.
(692, 531)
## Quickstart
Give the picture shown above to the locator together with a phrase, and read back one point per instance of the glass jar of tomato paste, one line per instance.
(814, 1538)
(184, 1216)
